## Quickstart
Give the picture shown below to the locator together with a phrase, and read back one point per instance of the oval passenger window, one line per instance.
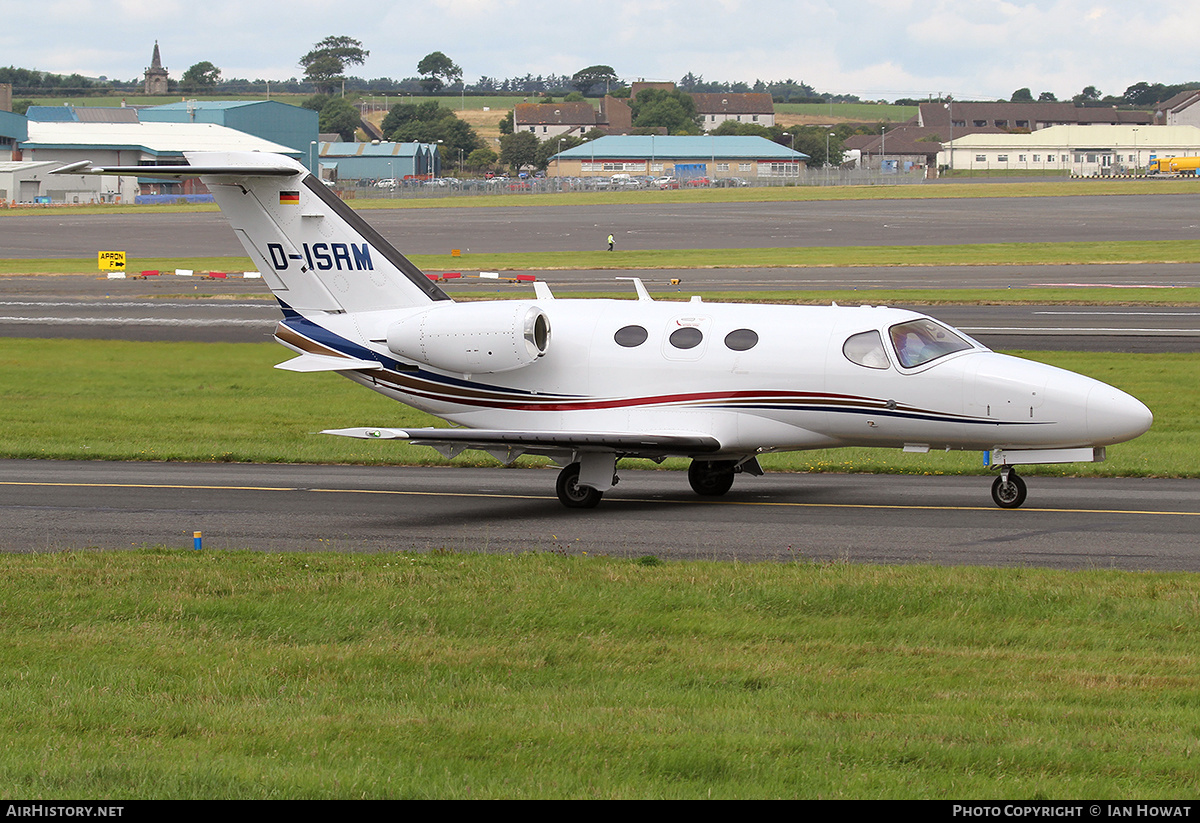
(686, 338)
(741, 339)
(631, 336)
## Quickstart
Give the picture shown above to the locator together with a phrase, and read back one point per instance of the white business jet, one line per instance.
(588, 382)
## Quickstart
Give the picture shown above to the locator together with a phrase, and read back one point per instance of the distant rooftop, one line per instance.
(710, 147)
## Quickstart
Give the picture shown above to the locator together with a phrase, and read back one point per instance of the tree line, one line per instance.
(325, 72)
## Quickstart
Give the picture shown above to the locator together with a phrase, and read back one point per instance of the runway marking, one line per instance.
(142, 304)
(1109, 286)
(1126, 313)
(137, 321)
(511, 496)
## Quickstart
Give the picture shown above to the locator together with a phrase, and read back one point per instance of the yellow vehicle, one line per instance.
(1174, 165)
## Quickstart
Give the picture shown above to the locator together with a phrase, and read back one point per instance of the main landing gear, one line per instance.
(1008, 490)
(571, 494)
(711, 478)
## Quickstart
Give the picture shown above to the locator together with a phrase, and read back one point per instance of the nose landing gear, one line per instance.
(1008, 490)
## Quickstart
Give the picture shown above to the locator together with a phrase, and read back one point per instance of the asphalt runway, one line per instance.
(1066, 524)
(143, 310)
(534, 228)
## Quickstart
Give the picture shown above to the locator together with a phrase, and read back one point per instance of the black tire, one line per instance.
(711, 478)
(1009, 495)
(571, 494)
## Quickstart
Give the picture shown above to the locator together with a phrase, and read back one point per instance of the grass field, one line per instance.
(179, 674)
(114, 400)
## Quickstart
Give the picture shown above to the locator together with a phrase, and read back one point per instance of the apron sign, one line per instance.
(111, 260)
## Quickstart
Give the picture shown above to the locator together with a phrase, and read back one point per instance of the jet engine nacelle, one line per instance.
(473, 338)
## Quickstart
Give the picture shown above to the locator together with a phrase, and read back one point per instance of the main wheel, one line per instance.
(1010, 493)
(711, 478)
(571, 494)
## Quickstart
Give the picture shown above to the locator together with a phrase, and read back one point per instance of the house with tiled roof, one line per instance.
(715, 109)
(956, 118)
(1180, 110)
(546, 120)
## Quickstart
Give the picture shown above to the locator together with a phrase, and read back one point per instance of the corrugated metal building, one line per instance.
(270, 120)
(379, 161)
(131, 144)
(704, 156)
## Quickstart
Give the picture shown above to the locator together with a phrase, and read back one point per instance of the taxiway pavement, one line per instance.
(1067, 523)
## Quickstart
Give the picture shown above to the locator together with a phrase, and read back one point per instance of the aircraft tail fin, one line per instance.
(314, 252)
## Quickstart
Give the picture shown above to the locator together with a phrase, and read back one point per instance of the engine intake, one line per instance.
(473, 338)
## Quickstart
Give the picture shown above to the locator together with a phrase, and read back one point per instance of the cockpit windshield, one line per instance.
(922, 341)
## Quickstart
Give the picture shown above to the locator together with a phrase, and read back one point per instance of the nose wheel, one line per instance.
(1008, 490)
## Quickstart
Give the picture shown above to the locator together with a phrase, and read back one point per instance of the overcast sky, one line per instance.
(876, 49)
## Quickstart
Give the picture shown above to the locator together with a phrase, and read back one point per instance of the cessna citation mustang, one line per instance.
(588, 382)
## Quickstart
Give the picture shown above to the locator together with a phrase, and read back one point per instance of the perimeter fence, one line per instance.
(369, 189)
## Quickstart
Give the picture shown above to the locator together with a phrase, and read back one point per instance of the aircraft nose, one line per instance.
(1114, 416)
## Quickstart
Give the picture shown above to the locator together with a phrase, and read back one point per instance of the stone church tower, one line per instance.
(156, 75)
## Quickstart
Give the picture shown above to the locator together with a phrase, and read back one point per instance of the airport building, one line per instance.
(147, 136)
(126, 144)
(378, 161)
(683, 157)
(270, 120)
(1079, 150)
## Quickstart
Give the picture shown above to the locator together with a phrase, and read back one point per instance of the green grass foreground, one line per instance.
(223, 402)
(175, 674)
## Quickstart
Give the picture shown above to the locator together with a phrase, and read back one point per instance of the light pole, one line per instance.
(1137, 155)
(558, 160)
(882, 146)
(312, 144)
(949, 106)
(828, 165)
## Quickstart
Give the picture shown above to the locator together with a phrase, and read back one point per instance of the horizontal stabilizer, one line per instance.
(647, 444)
(248, 170)
(321, 362)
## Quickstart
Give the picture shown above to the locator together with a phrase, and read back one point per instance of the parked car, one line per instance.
(730, 182)
(388, 183)
(698, 182)
(666, 183)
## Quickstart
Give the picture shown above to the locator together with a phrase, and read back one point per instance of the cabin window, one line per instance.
(686, 338)
(918, 342)
(866, 349)
(741, 339)
(630, 336)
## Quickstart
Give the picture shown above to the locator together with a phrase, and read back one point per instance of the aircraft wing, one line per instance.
(544, 442)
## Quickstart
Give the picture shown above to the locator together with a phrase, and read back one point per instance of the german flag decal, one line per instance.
(289, 198)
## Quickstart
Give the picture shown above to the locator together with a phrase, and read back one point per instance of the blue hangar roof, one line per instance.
(704, 147)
